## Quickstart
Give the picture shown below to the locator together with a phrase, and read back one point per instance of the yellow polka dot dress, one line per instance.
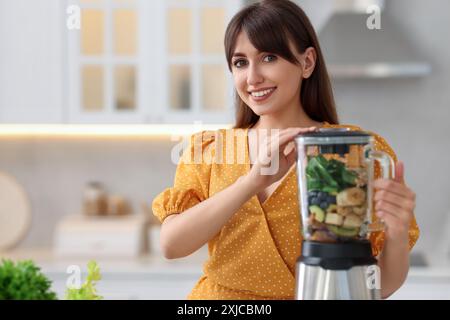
(253, 256)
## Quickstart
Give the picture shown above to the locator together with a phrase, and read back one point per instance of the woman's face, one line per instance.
(267, 83)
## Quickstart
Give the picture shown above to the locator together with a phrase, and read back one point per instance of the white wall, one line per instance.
(413, 114)
(31, 60)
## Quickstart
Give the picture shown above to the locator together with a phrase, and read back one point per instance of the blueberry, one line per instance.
(315, 201)
(331, 199)
(323, 205)
(322, 196)
(312, 193)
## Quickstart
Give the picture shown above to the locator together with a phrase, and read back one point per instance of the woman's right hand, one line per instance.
(276, 155)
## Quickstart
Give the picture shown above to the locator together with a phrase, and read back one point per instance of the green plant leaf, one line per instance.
(24, 281)
(88, 290)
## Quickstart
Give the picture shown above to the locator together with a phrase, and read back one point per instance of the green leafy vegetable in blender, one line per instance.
(329, 176)
(87, 291)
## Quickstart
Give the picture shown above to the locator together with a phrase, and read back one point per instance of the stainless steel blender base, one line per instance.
(316, 283)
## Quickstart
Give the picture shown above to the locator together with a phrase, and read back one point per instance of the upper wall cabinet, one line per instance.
(140, 61)
(31, 61)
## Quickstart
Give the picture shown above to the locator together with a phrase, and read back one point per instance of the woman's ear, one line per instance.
(309, 62)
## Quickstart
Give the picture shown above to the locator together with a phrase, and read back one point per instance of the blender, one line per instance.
(335, 171)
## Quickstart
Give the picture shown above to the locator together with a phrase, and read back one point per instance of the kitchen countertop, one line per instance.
(147, 263)
(157, 263)
(422, 282)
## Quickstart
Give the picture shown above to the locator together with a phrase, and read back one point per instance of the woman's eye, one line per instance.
(239, 63)
(270, 58)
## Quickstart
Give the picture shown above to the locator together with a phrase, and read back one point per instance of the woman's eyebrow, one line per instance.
(240, 54)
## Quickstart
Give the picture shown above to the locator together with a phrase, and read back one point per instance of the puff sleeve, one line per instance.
(192, 177)
(377, 238)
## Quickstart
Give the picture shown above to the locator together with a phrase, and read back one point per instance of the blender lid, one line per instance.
(333, 136)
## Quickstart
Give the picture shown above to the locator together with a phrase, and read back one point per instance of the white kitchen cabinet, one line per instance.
(31, 61)
(44, 73)
(172, 71)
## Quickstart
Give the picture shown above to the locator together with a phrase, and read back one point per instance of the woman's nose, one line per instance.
(254, 75)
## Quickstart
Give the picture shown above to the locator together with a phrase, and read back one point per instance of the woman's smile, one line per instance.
(262, 95)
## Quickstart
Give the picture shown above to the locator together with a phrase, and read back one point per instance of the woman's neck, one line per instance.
(294, 117)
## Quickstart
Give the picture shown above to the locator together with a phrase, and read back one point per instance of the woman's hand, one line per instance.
(276, 155)
(395, 204)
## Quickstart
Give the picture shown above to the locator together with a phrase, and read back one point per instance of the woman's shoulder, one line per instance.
(209, 142)
(350, 126)
(212, 137)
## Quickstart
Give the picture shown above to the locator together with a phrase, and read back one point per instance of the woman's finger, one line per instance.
(386, 207)
(394, 199)
(394, 225)
(275, 145)
(287, 135)
(395, 187)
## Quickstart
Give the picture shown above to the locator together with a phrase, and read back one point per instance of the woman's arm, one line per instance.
(394, 266)
(395, 204)
(183, 234)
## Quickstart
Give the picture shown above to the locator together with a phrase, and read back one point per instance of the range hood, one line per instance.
(352, 50)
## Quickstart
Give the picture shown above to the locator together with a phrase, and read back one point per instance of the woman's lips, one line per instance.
(263, 98)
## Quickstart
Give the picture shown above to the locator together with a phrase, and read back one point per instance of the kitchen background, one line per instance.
(157, 67)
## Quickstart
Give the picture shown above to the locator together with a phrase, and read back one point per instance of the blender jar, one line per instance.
(335, 173)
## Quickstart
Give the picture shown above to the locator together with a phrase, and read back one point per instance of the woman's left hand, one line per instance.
(395, 203)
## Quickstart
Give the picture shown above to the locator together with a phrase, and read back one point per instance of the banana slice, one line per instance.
(360, 210)
(352, 221)
(351, 197)
(334, 219)
(344, 211)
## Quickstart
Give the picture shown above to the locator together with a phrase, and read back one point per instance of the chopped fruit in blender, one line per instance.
(322, 236)
(322, 196)
(344, 232)
(344, 211)
(318, 213)
(359, 210)
(361, 179)
(351, 197)
(331, 199)
(337, 199)
(315, 202)
(323, 205)
(334, 219)
(332, 208)
(352, 221)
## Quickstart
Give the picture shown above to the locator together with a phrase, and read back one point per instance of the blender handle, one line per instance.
(386, 162)
(388, 172)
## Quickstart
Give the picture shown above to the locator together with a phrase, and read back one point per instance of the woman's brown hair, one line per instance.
(270, 24)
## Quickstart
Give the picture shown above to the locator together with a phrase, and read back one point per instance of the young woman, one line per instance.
(251, 219)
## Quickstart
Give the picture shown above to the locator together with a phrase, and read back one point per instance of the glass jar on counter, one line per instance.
(95, 199)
